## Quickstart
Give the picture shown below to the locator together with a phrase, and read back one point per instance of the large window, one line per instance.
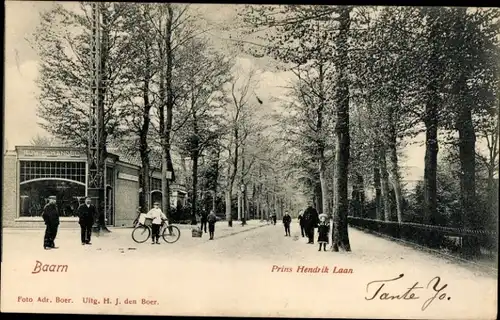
(41, 179)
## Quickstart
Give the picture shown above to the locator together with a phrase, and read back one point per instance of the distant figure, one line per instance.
(311, 222)
(274, 218)
(86, 214)
(50, 216)
(204, 217)
(323, 230)
(301, 223)
(287, 219)
(212, 219)
(158, 216)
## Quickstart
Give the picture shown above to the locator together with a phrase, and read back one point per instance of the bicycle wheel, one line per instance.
(141, 234)
(171, 234)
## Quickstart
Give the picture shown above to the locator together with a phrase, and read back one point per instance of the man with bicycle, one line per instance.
(158, 216)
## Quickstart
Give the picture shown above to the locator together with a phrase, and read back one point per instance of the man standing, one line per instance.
(86, 214)
(311, 222)
(204, 217)
(301, 223)
(212, 218)
(51, 217)
(286, 222)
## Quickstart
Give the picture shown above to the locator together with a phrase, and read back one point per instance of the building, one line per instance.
(32, 174)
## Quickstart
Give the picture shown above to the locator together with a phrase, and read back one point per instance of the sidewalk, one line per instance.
(119, 240)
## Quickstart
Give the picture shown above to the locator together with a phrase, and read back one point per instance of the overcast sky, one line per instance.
(21, 19)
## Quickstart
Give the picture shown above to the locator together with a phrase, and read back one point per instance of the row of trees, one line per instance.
(367, 81)
(167, 91)
(370, 79)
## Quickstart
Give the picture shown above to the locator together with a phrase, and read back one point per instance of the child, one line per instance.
(323, 230)
(157, 215)
(212, 218)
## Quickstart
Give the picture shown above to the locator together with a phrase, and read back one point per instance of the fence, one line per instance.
(452, 239)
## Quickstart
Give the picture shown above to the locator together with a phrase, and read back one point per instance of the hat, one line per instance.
(156, 202)
(52, 198)
(323, 215)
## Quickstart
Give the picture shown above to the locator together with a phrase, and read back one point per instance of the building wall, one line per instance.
(126, 195)
(125, 188)
(9, 189)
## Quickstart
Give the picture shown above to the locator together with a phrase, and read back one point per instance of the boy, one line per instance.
(212, 218)
(158, 216)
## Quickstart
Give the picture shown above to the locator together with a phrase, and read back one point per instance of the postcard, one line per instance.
(250, 160)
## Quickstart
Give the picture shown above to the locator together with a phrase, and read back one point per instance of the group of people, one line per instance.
(309, 221)
(209, 219)
(86, 215)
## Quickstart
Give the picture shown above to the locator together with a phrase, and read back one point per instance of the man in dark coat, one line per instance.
(86, 214)
(273, 217)
(286, 222)
(204, 220)
(301, 223)
(311, 222)
(51, 217)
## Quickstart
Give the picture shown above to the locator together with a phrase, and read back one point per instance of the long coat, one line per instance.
(50, 214)
(86, 214)
(311, 218)
(323, 230)
(287, 219)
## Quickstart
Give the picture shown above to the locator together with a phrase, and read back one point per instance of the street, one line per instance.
(246, 271)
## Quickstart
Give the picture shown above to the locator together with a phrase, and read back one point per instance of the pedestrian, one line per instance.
(204, 217)
(86, 215)
(212, 218)
(323, 230)
(311, 222)
(286, 222)
(50, 216)
(158, 217)
(274, 218)
(301, 224)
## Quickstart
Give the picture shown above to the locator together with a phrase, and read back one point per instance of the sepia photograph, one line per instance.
(250, 160)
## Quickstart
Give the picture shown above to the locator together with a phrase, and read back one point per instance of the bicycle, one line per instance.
(169, 233)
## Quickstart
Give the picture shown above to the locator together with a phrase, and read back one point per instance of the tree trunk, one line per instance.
(393, 164)
(246, 206)
(324, 185)
(215, 167)
(194, 205)
(431, 142)
(259, 213)
(342, 139)
(318, 200)
(239, 205)
(384, 182)
(471, 218)
(170, 104)
(228, 206)
(143, 137)
(377, 183)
